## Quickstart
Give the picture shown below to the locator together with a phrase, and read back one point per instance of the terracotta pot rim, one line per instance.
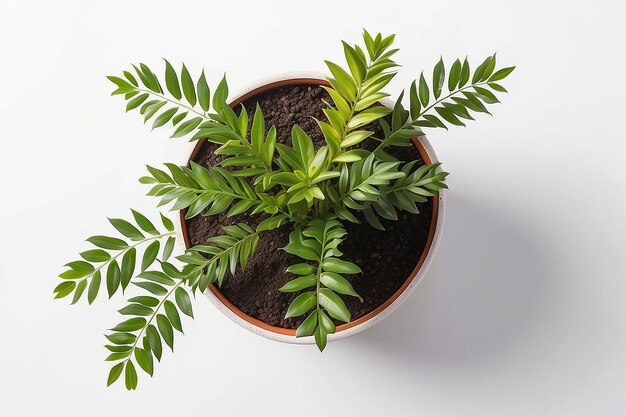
(288, 335)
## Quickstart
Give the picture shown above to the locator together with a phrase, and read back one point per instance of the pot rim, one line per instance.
(347, 329)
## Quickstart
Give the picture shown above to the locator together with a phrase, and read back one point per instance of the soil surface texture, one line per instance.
(386, 257)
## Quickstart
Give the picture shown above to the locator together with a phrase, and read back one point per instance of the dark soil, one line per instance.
(386, 257)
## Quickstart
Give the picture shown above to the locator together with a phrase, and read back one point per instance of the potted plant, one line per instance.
(309, 207)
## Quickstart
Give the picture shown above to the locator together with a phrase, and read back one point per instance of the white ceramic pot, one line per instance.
(348, 329)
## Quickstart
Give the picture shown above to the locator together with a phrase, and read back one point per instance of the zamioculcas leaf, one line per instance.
(144, 360)
(130, 376)
(172, 315)
(439, 75)
(155, 341)
(455, 75)
(94, 287)
(204, 94)
(106, 242)
(126, 229)
(165, 328)
(308, 326)
(183, 302)
(299, 283)
(423, 91)
(334, 305)
(130, 325)
(301, 304)
(501, 74)
(221, 94)
(115, 373)
(143, 222)
(150, 255)
(121, 338)
(164, 117)
(188, 87)
(171, 81)
(340, 266)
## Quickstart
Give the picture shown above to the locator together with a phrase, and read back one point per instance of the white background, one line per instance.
(523, 311)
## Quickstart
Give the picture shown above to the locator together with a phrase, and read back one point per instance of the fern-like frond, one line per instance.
(214, 189)
(115, 258)
(153, 319)
(321, 281)
(431, 107)
(356, 92)
(186, 106)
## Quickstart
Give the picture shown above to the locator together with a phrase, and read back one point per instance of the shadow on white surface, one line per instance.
(485, 289)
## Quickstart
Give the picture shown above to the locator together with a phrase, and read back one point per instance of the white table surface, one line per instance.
(523, 312)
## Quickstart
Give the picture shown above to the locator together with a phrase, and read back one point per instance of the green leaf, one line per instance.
(340, 266)
(480, 70)
(130, 376)
(415, 105)
(136, 310)
(342, 81)
(486, 95)
(204, 94)
(145, 300)
(113, 278)
(449, 116)
(144, 360)
(299, 283)
(355, 62)
(334, 305)
(465, 73)
(165, 328)
(302, 269)
(186, 127)
(301, 304)
(143, 222)
(423, 91)
(106, 242)
(80, 289)
(455, 75)
(164, 117)
(155, 341)
(501, 74)
(308, 325)
(169, 247)
(115, 373)
(221, 95)
(121, 338)
(320, 338)
(171, 81)
(172, 314)
(95, 255)
(128, 267)
(151, 287)
(136, 101)
(94, 287)
(338, 284)
(167, 223)
(188, 87)
(130, 325)
(183, 301)
(439, 75)
(150, 254)
(127, 229)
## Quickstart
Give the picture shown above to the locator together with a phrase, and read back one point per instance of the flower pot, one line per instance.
(392, 303)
